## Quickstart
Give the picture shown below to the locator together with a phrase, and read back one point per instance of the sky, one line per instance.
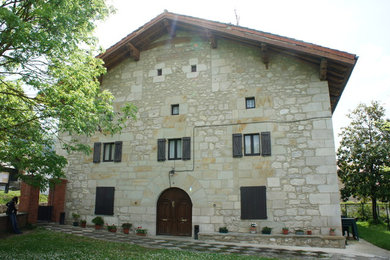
(360, 27)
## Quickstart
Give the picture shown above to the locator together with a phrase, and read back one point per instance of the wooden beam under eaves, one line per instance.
(323, 68)
(212, 39)
(134, 52)
(264, 54)
(170, 28)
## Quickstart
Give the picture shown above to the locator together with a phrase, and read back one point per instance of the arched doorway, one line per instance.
(174, 213)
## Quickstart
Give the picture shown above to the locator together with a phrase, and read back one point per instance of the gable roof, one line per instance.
(335, 66)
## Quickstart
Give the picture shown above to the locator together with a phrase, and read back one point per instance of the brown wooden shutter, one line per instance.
(237, 145)
(186, 148)
(253, 202)
(118, 151)
(266, 143)
(97, 147)
(104, 203)
(161, 150)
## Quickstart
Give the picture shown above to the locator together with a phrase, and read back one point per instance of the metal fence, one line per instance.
(363, 211)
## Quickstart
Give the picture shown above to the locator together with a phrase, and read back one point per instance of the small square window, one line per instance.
(193, 68)
(175, 109)
(159, 72)
(174, 149)
(250, 102)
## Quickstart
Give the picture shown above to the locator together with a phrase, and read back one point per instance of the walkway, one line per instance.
(359, 250)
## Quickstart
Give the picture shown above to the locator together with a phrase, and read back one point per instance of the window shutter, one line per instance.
(253, 202)
(237, 145)
(96, 152)
(104, 204)
(186, 148)
(266, 143)
(161, 150)
(118, 151)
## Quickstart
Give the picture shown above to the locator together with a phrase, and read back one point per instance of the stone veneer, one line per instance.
(291, 102)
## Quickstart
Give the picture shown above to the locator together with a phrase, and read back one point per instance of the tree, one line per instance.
(47, 48)
(363, 155)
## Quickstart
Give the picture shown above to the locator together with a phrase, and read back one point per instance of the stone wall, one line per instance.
(291, 103)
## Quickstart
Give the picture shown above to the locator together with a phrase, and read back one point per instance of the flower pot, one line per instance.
(285, 231)
(309, 232)
(126, 230)
(75, 224)
(113, 230)
(83, 225)
(299, 232)
(332, 233)
(141, 234)
(252, 230)
(97, 227)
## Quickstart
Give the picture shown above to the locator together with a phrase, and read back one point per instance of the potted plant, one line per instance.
(252, 228)
(75, 219)
(223, 230)
(83, 223)
(98, 221)
(308, 232)
(332, 231)
(285, 230)
(126, 227)
(111, 228)
(299, 232)
(139, 231)
(266, 230)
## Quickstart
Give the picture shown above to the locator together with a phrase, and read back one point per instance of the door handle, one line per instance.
(164, 219)
(183, 220)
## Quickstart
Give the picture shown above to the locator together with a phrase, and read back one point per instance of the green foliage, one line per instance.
(6, 197)
(98, 221)
(42, 244)
(363, 153)
(375, 234)
(47, 47)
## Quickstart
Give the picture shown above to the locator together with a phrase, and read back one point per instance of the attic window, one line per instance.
(159, 72)
(193, 68)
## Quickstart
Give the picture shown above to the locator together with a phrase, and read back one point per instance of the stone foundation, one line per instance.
(284, 240)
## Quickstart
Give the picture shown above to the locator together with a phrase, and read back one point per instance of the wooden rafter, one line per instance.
(212, 39)
(170, 29)
(264, 54)
(323, 68)
(134, 52)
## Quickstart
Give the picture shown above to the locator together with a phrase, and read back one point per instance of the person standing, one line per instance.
(11, 212)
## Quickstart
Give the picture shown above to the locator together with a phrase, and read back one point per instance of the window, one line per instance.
(252, 144)
(108, 152)
(175, 109)
(111, 152)
(104, 202)
(193, 68)
(253, 202)
(250, 102)
(174, 149)
(159, 72)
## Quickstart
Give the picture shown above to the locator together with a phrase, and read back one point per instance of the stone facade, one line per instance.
(291, 103)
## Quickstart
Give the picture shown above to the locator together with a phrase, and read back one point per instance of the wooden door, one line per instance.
(174, 213)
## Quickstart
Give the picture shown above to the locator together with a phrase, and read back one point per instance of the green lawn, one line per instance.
(44, 244)
(5, 197)
(375, 234)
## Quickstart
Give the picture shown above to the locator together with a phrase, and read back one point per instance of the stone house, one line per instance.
(234, 126)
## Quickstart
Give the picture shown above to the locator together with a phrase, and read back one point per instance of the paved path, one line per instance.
(356, 250)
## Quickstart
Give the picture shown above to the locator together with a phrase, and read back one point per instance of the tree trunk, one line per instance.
(374, 210)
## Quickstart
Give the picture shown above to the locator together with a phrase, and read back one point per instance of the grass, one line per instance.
(375, 234)
(44, 244)
(5, 197)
